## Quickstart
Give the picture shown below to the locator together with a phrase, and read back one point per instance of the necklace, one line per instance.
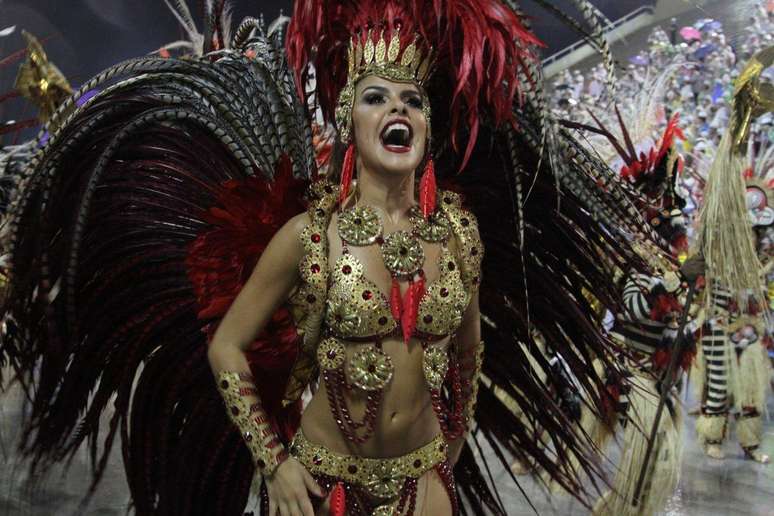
(402, 254)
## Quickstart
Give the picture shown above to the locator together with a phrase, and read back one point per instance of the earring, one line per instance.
(427, 189)
(347, 169)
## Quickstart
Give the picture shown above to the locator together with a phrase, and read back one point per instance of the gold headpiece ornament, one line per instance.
(383, 59)
(40, 81)
(752, 98)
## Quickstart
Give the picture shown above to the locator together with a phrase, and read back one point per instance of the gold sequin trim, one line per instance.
(465, 227)
(435, 364)
(382, 478)
(370, 369)
(359, 226)
(402, 254)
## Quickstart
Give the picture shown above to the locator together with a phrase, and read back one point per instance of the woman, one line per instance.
(138, 232)
(406, 422)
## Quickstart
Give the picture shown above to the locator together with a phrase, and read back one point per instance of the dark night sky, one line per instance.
(84, 37)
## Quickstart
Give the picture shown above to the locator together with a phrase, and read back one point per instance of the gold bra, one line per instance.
(353, 307)
(358, 309)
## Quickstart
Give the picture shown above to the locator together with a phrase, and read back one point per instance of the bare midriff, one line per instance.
(405, 420)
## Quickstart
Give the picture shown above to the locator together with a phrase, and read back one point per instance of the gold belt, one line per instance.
(382, 478)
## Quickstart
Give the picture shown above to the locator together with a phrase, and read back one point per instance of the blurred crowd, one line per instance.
(690, 71)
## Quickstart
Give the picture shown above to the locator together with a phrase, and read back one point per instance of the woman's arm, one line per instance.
(269, 285)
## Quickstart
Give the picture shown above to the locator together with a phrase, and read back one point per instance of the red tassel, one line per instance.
(395, 301)
(338, 501)
(414, 295)
(427, 190)
(347, 169)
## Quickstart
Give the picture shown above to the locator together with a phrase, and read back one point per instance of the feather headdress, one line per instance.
(482, 51)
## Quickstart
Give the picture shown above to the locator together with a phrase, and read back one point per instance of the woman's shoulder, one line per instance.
(466, 243)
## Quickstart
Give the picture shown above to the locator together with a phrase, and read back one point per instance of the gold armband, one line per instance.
(246, 412)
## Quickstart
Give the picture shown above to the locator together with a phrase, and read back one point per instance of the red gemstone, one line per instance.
(311, 298)
(224, 384)
(451, 266)
(261, 463)
(444, 292)
(320, 212)
(315, 268)
(474, 251)
(338, 318)
(317, 460)
(316, 238)
(367, 295)
(235, 411)
(328, 189)
(346, 269)
(382, 320)
(428, 319)
(465, 222)
(447, 200)
(417, 463)
(379, 240)
(331, 354)
(371, 368)
(352, 469)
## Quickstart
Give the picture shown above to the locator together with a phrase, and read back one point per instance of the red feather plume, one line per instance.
(246, 216)
(480, 46)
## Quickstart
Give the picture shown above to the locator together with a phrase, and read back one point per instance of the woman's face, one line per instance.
(389, 125)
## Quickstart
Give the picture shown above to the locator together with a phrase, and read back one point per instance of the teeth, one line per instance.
(398, 127)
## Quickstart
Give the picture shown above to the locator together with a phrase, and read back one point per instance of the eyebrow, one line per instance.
(385, 91)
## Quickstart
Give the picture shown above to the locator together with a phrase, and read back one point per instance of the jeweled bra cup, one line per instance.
(358, 309)
(441, 308)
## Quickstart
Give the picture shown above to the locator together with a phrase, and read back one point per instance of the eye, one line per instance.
(374, 98)
(415, 102)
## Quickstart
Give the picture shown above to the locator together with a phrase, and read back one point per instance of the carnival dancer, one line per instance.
(735, 371)
(169, 210)
(648, 328)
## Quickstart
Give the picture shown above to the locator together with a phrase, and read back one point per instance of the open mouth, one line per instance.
(396, 137)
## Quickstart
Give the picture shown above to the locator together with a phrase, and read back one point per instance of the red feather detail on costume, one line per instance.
(323, 141)
(347, 170)
(679, 243)
(664, 305)
(660, 359)
(748, 173)
(246, 216)
(408, 320)
(338, 501)
(610, 400)
(671, 132)
(427, 190)
(396, 305)
(481, 48)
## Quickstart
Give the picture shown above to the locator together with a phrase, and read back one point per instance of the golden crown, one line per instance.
(384, 60)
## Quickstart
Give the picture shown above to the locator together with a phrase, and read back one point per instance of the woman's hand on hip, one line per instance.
(289, 489)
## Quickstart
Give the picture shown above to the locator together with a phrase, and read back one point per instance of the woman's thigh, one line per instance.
(432, 497)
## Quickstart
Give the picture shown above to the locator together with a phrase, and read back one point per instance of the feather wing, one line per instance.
(179, 172)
